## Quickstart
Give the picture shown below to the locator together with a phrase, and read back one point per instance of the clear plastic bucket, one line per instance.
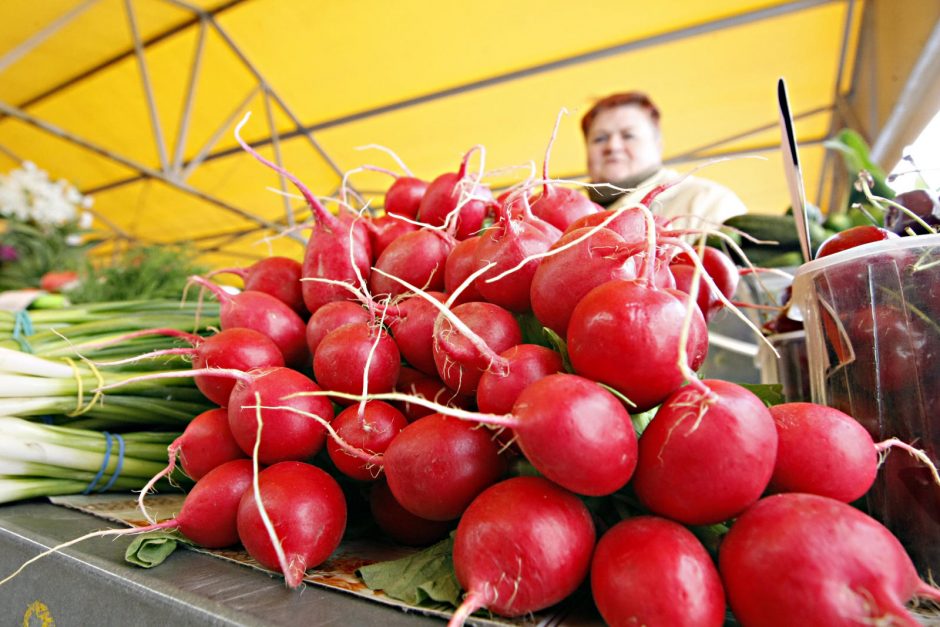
(872, 321)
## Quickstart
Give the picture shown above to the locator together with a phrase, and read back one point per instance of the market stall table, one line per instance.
(91, 584)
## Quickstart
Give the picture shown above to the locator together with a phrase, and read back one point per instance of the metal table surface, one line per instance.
(91, 584)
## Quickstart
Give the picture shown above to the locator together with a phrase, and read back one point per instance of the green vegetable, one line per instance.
(419, 579)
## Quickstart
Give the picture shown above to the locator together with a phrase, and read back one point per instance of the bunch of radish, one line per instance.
(413, 365)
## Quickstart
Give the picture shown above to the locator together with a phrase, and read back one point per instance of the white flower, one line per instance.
(28, 194)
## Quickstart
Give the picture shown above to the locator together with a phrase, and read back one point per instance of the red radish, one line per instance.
(401, 525)
(417, 257)
(704, 458)
(576, 433)
(460, 362)
(307, 511)
(287, 434)
(384, 230)
(824, 451)
(524, 544)
(719, 267)
(506, 244)
(338, 248)
(640, 557)
(458, 194)
(347, 354)
(206, 443)
(579, 266)
(370, 428)
(208, 514)
(265, 314)
(403, 197)
(526, 364)
(332, 316)
(277, 276)
(461, 263)
(560, 206)
(411, 323)
(437, 465)
(416, 384)
(629, 336)
(803, 559)
(852, 237)
(628, 223)
(232, 349)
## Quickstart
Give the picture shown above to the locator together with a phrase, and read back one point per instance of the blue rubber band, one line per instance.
(117, 468)
(22, 327)
(104, 464)
(47, 420)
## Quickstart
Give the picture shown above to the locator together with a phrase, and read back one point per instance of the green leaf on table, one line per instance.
(769, 393)
(427, 576)
(151, 549)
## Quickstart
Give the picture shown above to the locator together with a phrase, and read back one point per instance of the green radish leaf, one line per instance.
(555, 341)
(769, 393)
(151, 549)
(623, 399)
(532, 330)
(422, 578)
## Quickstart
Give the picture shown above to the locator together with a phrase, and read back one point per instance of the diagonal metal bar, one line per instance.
(190, 98)
(30, 44)
(691, 155)
(23, 116)
(283, 105)
(218, 134)
(148, 87)
(10, 153)
(276, 145)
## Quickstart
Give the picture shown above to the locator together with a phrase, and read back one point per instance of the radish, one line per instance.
(460, 360)
(704, 458)
(206, 442)
(277, 276)
(287, 434)
(437, 465)
(638, 559)
(526, 364)
(332, 316)
(804, 559)
(563, 279)
(524, 544)
(403, 197)
(718, 266)
(417, 257)
(461, 263)
(560, 206)
(824, 451)
(629, 223)
(359, 356)
(231, 349)
(307, 511)
(338, 248)
(629, 335)
(506, 244)
(411, 323)
(456, 198)
(263, 313)
(383, 230)
(401, 525)
(416, 384)
(370, 428)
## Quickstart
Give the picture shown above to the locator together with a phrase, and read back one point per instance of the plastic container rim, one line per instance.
(900, 243)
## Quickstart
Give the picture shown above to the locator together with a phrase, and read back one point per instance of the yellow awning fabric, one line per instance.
(150, 135)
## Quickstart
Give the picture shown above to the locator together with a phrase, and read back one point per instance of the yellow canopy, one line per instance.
(135, 101)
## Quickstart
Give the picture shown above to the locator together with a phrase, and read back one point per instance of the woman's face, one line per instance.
(622, 142)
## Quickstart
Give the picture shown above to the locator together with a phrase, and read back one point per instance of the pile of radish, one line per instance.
(409, 368)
